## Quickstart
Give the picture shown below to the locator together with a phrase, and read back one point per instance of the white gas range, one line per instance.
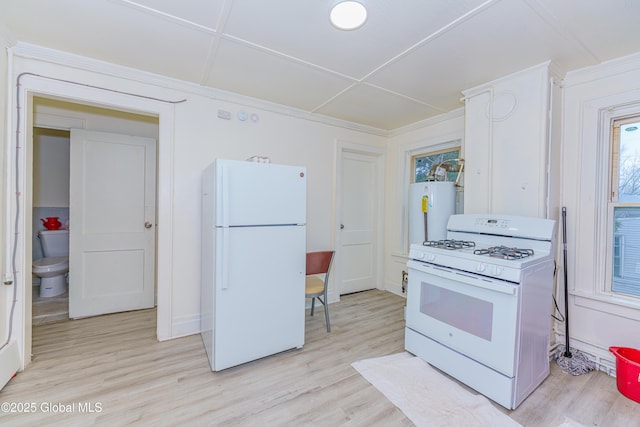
(479, 303)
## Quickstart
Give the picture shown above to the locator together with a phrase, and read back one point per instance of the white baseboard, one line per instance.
(186, 325)
(395, 288)
(604, 360)
(9, 363)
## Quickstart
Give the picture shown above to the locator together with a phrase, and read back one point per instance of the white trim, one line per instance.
(431, 121)
(469, 93)
(27, 50)
(9, 362)
(51, 121)
(185, 325)
(82, 94)
(603, 70)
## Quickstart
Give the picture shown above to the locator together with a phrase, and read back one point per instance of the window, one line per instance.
(624, 206)
(423, 163)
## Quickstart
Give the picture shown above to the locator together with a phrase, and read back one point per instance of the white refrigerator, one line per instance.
(253, 260)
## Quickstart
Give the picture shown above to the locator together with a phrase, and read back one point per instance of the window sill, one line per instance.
(608, 303)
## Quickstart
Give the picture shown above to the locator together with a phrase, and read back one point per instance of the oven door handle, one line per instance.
(458, 276)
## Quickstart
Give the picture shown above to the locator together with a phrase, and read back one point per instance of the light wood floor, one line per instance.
(114, 363)
(49, 309)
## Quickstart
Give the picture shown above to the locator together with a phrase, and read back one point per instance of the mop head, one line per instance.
(577, 364)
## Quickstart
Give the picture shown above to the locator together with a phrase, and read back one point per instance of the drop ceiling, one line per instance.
(410, 61)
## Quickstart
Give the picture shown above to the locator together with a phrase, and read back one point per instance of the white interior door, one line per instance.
(358, 234)
(112, 223)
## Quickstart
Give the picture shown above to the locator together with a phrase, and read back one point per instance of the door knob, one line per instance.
(147, 224)
(341, 226)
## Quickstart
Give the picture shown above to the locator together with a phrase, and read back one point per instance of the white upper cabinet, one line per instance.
(510, 149)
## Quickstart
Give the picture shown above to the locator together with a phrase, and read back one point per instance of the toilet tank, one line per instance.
(54, 242)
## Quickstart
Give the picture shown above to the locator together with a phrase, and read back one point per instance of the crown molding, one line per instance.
(458, 112)
(40, 53)
(603, 70)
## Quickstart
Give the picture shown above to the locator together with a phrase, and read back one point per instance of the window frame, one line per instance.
(406, 154)
(615, 241)
(414, 157)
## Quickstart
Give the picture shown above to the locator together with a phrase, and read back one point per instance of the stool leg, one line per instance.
(313, 303)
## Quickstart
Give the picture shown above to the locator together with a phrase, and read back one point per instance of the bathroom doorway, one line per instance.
(50, 200)
(53, 119)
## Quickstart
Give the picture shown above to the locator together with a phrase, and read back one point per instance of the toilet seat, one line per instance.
(49, 264)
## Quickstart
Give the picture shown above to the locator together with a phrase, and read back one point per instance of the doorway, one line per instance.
(20, 174)
(50, 200)
(360, 210)
(52, 149)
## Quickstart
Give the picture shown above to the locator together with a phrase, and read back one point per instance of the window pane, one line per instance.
(626, 251)
(629, 166)
(424, 163)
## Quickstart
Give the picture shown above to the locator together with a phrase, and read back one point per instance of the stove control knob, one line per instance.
(498, 271)
(481, 268)
(417, 255)
(431, 257)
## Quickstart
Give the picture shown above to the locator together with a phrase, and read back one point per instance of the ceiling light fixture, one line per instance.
(348, 15)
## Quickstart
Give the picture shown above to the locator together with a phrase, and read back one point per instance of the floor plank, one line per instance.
(114, 361)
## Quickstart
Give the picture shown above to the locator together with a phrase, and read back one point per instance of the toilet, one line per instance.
(53, 268)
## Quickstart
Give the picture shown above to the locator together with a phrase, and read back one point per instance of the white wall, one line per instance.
(50, 168)
(195, 137)
(201, 137)
(444, 131)
(4, 290)
(9, 357)
(597, 320)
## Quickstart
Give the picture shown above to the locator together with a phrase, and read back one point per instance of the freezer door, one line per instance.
(259, 301)
(251, 193)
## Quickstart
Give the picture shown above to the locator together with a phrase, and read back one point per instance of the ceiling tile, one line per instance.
(436, 72)
(372, 106)
(205, 13)
(609, 29)
(302, 30)
(132, 39)
(277, 79)
(410, 61)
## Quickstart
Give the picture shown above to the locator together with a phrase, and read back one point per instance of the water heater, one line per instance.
(438, 199)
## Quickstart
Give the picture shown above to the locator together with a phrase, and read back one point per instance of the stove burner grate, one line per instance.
(505, 252)
(449, 244)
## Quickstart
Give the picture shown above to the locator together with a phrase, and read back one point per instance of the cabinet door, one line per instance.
(506, 131)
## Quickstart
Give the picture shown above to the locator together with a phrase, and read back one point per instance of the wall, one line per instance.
(444, 131)
(9, 357)
(193, 137)
(597, 320)
(201, 137)
(50, 168)
(4, 290)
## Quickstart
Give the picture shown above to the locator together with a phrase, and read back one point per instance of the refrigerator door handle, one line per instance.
(223, 262)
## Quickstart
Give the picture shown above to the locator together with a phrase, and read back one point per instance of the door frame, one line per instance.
(380, 157)
(33, 85)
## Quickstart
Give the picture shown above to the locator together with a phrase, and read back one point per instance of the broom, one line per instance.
(578, 364)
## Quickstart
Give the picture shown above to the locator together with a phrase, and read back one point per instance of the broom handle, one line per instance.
(567, 352)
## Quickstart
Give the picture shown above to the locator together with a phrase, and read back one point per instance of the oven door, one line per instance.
(471, 314)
